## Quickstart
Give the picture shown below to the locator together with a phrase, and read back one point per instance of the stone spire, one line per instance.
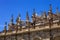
(57, 12)
(27, 19)
(44, 15)
(50, 10)
(18, 20)
(11, 21)
(50, 7)
(11, 24)
(5, 27)
(34, 15)
(50, 14)
(34, 18)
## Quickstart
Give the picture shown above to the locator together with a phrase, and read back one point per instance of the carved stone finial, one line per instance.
(18, 18)
(51, 7)
(27, 17)
(44, 15)
(57, 12)
(11, 19)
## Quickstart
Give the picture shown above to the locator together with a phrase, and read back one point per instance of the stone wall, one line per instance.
(42, 35)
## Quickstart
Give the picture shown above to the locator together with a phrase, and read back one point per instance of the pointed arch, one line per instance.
(37, 38)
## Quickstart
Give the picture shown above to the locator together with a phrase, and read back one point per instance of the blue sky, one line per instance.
(9, 7)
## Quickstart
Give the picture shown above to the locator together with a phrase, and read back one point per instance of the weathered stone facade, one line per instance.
(45, 27)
